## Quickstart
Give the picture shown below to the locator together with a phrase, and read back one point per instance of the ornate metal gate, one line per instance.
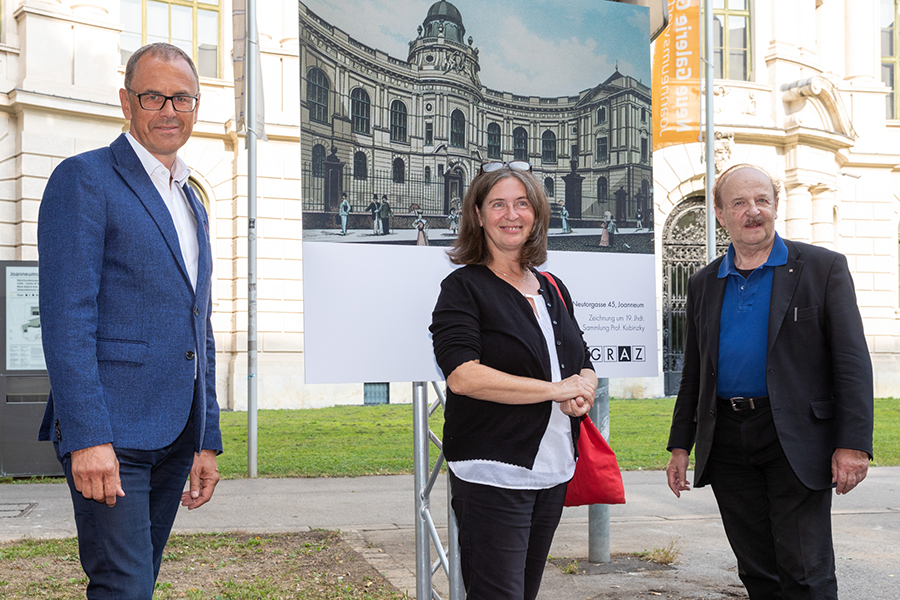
(684, 252)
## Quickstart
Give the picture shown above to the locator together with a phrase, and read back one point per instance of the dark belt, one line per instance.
(742, 403)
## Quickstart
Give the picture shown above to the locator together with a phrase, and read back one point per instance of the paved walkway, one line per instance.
(377, 514)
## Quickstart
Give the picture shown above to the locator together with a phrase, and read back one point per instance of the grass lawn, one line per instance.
(350, 441)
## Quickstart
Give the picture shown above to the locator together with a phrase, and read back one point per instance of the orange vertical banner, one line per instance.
(676, 77)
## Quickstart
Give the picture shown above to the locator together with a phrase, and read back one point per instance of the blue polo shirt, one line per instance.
(744, 324)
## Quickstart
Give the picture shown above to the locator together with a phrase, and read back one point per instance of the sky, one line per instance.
(530, 47)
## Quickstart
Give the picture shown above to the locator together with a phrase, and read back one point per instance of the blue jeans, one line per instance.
(121, 547)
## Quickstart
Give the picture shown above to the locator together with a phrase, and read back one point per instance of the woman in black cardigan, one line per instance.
(519, 377)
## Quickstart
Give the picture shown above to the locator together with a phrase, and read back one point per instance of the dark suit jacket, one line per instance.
(122, 327)
(818, 370)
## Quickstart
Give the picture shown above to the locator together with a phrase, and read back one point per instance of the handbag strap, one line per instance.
(554, 284)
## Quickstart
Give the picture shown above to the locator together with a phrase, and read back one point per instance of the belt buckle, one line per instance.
(735, 403)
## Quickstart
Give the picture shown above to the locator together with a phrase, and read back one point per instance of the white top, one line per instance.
(555, 460)
(169, 185)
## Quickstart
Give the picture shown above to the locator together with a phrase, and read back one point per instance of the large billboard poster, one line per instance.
(401, 104)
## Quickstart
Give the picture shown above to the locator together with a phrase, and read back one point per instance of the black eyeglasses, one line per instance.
(496, 165)
(154, 101)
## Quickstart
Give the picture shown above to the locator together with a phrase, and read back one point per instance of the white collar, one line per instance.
(151, 164)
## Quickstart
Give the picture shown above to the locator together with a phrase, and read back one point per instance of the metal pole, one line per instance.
(710, 134)
(598, 514)
(252, 51)
(457, 589)
(420, 470)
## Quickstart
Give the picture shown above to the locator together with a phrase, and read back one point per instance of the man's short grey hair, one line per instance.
(162, 51)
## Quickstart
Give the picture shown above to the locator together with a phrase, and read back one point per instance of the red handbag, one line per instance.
(597, 477)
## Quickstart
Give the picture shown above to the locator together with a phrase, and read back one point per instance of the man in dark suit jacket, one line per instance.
(125, 276)
(776, 393)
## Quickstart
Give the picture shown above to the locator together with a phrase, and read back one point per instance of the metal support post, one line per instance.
(420, 469)
(457, 589)
(710, 134)
(252, 51)
(598, 514)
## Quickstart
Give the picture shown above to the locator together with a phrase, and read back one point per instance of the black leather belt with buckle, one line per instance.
(742, 403)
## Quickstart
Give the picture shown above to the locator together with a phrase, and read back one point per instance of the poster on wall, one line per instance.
(400, 105)
(23, 321)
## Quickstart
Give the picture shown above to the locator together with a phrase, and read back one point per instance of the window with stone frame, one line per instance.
(318, 160)
(457, 129)
(493, 141)
(602, 189)
(360, 165)
(359, 110)
(192, 25)
(731, 39)
(399, 171)
(602, 149)
(317, 89)
(890, 55)
(548, 147)
(520, 144)
(398, 121)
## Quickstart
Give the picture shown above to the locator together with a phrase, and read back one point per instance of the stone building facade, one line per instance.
(806, 92)
(61, 66)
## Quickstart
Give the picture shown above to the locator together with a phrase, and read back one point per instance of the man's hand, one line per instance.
(204, 477)
(95, 473)
(676, 472)
(848, 468)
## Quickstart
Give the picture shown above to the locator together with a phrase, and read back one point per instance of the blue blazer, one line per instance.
(123, 330)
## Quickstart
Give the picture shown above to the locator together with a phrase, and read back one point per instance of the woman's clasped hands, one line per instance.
(575, 395)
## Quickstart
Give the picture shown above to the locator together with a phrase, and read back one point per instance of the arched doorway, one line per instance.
(684, 253)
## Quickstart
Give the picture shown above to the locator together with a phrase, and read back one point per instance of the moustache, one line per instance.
(755, 221)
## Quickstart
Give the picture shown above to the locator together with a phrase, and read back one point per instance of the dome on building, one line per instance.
(444, 15)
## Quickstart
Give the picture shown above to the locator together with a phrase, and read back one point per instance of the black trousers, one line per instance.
(504, 537)
(779, 529)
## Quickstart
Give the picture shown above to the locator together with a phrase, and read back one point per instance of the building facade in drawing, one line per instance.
(417, 128)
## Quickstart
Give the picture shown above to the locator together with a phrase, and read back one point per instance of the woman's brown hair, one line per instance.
(471, 246)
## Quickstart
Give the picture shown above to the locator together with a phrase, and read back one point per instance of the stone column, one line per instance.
(798, 212)
(862, 53)
(823, 215)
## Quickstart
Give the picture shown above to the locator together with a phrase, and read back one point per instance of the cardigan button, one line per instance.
(196, 311)
(562, 366)
(558, 343)
(189, 355)
(712, 413)
(555, 323)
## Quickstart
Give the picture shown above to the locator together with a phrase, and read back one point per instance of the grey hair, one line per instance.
(163, 51)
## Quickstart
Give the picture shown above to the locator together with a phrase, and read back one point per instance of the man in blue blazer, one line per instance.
(125, 276)
(776, 394)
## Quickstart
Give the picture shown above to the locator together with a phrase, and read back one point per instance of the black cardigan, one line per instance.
(480, 316)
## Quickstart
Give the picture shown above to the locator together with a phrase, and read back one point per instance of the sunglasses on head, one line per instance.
(496, 165)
